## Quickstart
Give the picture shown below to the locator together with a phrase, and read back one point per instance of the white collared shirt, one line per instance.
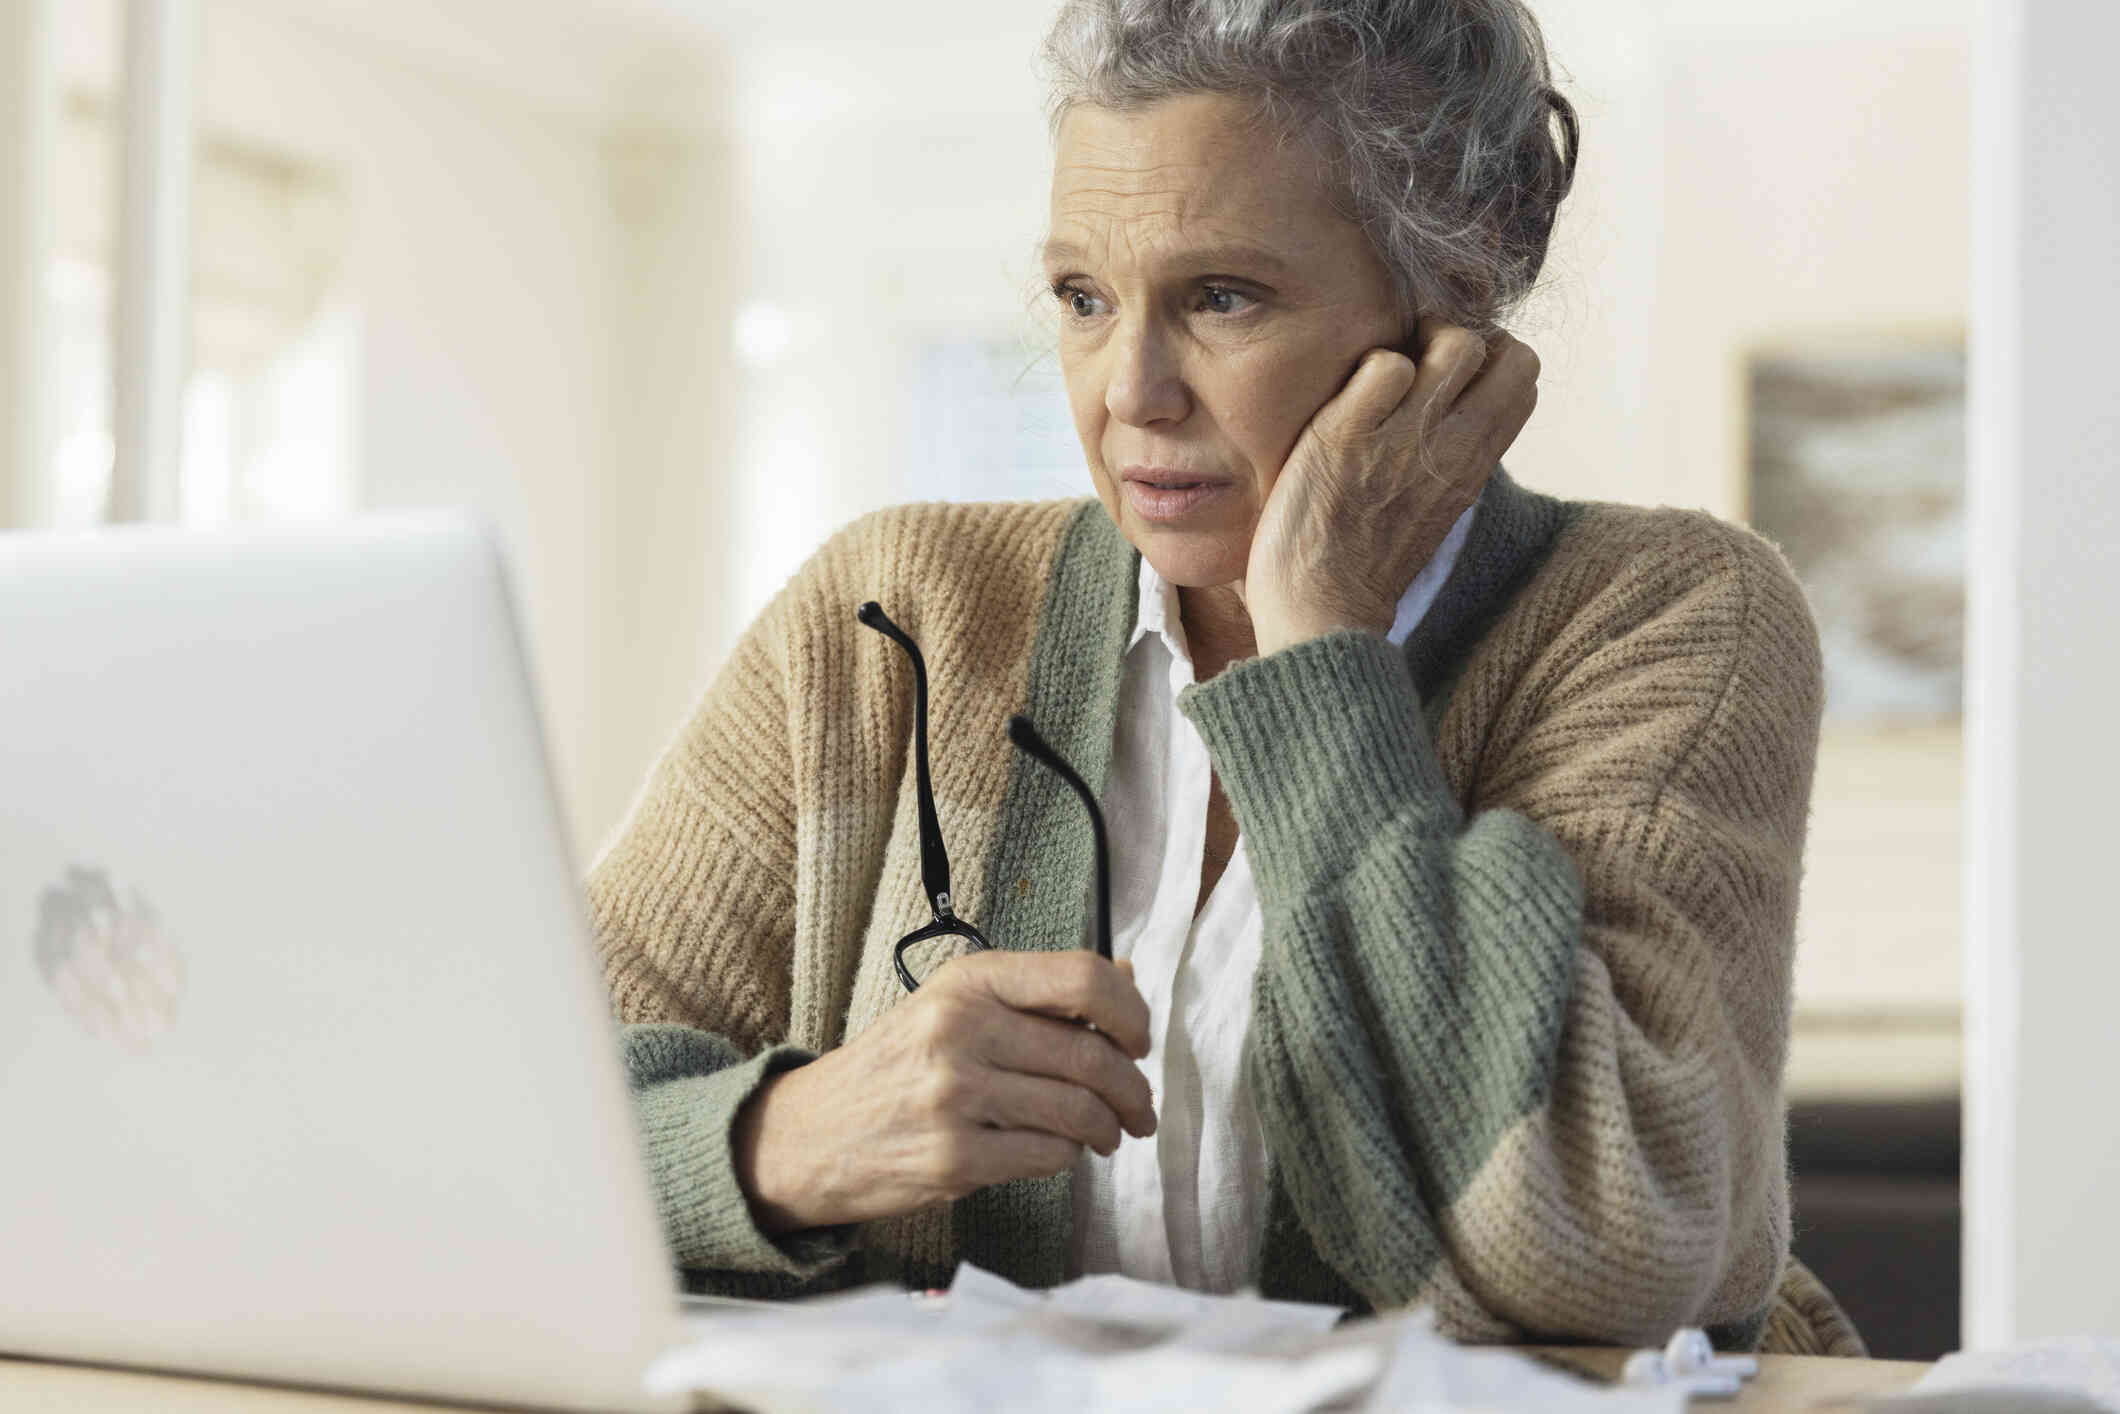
(1185, 1205)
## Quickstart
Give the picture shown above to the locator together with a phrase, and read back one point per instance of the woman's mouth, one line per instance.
(1168, 496)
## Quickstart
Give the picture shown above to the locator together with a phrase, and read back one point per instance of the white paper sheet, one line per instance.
(2081, 1366)
(1111, 1344)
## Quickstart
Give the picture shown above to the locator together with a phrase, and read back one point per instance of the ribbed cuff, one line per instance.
(685, 1123)
(1320, 746)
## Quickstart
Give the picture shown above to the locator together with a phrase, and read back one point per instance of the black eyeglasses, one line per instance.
(930, 950)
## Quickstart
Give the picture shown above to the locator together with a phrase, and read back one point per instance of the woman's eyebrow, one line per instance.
(1228, 257)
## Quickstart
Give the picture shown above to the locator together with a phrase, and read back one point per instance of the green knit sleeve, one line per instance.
(1408, 1001)
(1523, 1063)
(687, 1087)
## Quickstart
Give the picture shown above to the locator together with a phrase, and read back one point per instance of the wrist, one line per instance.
(1288, 627)
(767, 1156)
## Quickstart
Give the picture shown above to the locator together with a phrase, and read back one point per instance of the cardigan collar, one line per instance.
(1512, 532)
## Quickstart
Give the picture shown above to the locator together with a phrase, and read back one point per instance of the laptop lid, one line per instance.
(309, 1072)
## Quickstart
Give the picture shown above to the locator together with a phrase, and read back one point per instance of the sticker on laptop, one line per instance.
(107, 959)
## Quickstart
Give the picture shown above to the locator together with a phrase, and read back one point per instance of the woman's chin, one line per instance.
(1191, 559)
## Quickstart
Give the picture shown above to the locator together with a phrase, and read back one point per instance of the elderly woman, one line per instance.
(1454, 829)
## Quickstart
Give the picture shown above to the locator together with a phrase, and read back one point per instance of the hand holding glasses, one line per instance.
(1006, 1067)
(926, 948)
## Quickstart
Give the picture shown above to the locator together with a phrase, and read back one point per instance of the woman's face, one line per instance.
(1211, 300)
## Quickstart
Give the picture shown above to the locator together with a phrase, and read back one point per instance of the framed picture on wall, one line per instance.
(1856, 468)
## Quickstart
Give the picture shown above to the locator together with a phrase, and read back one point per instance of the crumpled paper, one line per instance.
(1108, 1343)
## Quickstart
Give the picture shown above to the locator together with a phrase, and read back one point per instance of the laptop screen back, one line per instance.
(309, 1071)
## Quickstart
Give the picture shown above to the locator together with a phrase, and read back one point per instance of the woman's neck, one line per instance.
(1217, 628)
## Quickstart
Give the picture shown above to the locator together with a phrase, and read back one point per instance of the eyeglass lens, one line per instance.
(920, 954)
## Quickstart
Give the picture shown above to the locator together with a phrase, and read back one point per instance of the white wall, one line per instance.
(478, 263)
(2043, 965)
(1816, 181)
(28, 118)
(890, 189)
(673, 415)
(518, 300)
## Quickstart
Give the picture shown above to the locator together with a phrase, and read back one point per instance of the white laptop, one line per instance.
(309, 1072)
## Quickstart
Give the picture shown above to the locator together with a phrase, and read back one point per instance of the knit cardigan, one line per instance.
(1528, 889)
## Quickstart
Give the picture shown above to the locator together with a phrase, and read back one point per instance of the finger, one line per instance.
(1369, 397)
(1450, 358)
(1058, 1050)
(1011, 1100)
(1456, 339)
(992, 1156)
(1076, 986)
(1500, 401)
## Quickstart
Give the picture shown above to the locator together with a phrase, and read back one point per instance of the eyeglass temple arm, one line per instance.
(934, 862)
(1026, 738)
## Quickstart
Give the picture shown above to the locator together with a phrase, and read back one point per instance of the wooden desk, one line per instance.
(1786, 1384)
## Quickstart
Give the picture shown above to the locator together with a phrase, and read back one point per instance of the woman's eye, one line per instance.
(1080, 302)
(1221, 299)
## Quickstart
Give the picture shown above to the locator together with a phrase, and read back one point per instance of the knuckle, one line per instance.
(1387, 365)
(1459, 449)
(952, 980)
(935, 1021)
(1084, 1056)
(1079, 976)
(946, 1088)
(1336, 431)
(949, 1013)
(1058, 1155)
(950, 1159)
(1335, 435)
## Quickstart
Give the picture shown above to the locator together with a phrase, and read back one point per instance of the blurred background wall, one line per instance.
(671, 290)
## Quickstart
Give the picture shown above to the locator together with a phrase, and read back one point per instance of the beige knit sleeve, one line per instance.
(1670, 752)
(693, 907)
(693, 903)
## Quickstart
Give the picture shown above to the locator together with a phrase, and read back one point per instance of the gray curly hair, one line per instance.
(1435, 118)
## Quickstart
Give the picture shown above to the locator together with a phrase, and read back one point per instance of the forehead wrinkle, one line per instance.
(1149, 220)
(1201, 209)
(1177, 246)
(1133, 220)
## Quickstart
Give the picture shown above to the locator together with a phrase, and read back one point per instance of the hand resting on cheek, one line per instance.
(1378, 477)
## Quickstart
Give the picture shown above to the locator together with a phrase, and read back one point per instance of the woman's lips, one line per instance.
(1169, 498)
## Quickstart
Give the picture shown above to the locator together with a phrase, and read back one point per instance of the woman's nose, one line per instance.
(1142, 384)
